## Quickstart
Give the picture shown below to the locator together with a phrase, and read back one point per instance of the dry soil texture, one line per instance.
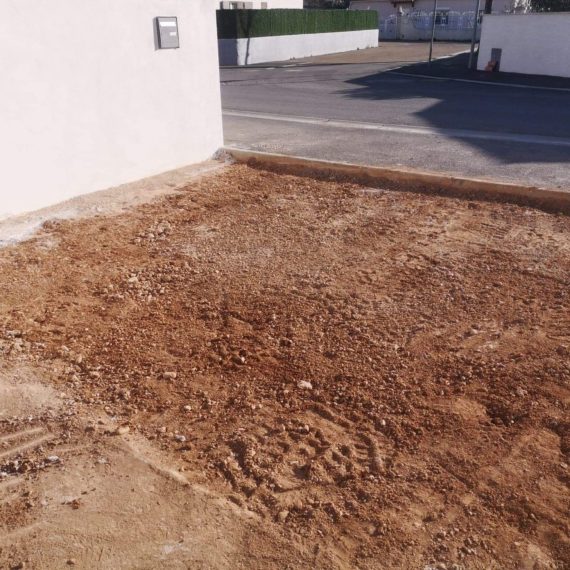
(265, 371)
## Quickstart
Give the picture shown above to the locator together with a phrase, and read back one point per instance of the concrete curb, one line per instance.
(547, 199)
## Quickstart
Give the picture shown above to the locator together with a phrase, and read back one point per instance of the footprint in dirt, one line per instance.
(311, 454)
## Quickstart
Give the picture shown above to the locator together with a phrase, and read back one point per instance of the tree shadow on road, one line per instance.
(511, 124)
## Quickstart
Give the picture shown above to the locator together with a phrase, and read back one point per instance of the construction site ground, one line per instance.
(268, 371)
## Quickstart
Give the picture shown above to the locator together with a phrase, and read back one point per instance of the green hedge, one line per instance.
(260, 23)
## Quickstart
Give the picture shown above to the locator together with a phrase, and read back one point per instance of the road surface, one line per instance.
(369, 113)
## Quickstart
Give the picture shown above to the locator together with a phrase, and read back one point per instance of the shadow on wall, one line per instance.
(456, 109)
(228, 52)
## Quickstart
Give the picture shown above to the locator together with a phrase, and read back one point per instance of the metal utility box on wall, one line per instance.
(167, 31)
(496, 54)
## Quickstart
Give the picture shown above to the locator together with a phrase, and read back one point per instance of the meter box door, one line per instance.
(167, 31)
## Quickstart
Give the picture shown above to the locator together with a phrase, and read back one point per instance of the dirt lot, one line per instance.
(266, 371)
(387, 52)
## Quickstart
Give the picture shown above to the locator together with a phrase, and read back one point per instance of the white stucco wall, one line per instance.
(282, 48)
(258, 4)
(532, 43)
(290, 4)
(87, 102)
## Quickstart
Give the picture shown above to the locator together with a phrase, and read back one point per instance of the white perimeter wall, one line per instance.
(87, 102)
(531, 43)
(248, 51)
(290, 4)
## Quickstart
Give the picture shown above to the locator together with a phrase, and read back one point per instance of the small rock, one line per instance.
(304, 385)
(122, 430)
(180, 438)
(75, 503)
(282, 516)
(169, 375)
(53, 459)
(187, 408)
(71, 562)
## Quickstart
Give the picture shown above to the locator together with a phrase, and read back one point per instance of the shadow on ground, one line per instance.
(456, 67)
(496, 125)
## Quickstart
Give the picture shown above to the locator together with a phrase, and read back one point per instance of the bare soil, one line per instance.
(268, 371)
(388, 52)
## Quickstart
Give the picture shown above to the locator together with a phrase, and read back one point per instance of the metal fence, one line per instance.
(417, 25)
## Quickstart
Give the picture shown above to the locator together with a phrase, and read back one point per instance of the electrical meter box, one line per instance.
(167, 32)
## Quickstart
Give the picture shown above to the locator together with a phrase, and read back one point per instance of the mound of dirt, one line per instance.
(267, 371)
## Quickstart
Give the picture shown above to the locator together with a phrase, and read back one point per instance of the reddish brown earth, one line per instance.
(304, 374)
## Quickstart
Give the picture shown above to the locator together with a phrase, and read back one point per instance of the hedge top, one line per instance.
(282, 22)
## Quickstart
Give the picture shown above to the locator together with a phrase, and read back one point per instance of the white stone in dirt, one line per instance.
(53, 459)
(304, 385)
(282, 516)
(187, 408)
(122, 430)
(169, 375)
(180, 438)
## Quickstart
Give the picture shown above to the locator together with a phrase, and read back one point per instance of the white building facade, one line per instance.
(260, 5)
(89, 100)
(412, 19)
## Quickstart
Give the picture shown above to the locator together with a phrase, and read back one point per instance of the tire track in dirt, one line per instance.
(367, 372)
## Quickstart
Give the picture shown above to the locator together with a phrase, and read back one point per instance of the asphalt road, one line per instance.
(365, 114)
